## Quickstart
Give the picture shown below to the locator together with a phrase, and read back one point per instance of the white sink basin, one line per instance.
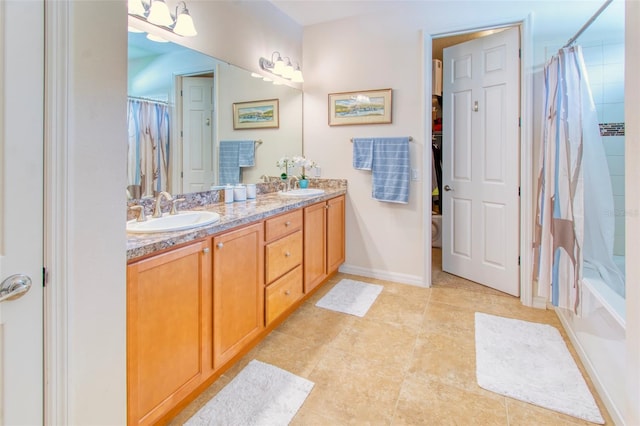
(183, 220)
(302, 192)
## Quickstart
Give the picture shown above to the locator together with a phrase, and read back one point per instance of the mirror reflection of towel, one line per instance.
(247, 153)
(229, 163)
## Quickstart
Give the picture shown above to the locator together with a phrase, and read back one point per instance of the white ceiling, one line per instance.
(551, 17)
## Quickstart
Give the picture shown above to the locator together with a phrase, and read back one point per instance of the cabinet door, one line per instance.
(238, 290)
(335, 233)
(168, 330)
(315, 249)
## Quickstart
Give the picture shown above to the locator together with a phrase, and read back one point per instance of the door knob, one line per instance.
(219, 245)
(14, 287)
(448, 188)
(208, 122)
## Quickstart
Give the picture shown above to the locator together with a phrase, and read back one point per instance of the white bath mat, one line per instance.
(260, 394)
(350, 297)
(530, 362)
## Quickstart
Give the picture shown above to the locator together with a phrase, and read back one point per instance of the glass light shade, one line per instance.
(135, 7)
(156, 38)
(278, 67)
(288, 71)
(256, 75)
(184, 25)
(267, 79)
(133, 29)
(297, 76)
(159, 13)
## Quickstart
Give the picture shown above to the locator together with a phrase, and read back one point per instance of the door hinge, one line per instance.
(181, 135)
(180, 92)
(45, 277)
(520, 53)
(518, 191)
(519, 121)
(518, 260)
(181, 174)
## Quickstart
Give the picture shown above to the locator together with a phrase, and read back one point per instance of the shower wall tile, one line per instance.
(616, 165)
(613, 53)
(613, 73)
(613, 92)
(613, 145)
(593, 55)
(617, 184)
(613, 113)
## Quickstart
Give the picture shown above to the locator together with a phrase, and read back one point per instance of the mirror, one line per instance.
(181, 105)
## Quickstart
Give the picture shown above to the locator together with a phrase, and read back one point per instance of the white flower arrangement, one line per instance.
(285, 163)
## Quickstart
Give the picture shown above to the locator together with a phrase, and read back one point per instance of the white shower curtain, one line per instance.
(148, 158)
(574, 218)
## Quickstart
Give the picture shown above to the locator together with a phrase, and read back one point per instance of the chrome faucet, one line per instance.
(157, 211)
(289, 186)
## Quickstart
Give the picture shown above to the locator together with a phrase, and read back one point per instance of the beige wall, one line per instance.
(632, 157)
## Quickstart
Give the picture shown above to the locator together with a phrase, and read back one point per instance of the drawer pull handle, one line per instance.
(287, 254)
(219, 245)
(205, 250)
(287, 223)
(287, 292)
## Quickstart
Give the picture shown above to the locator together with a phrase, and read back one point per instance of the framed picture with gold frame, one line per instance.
(256, 114)
(364, 107)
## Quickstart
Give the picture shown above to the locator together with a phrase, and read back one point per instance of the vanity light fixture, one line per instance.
(157, 12)
(278, 66)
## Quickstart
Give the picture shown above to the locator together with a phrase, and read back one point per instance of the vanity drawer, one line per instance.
(282, 294)
(283, 255)
(282, 225)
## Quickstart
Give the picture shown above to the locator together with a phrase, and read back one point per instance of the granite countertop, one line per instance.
(232, 215)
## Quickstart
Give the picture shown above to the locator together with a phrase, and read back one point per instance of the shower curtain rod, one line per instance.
(589, 22)
(156, 101)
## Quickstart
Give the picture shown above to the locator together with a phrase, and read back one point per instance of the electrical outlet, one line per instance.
(317, 174)
(414, 174)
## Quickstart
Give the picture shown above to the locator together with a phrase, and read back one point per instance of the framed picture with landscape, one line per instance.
(365, 107)
(256, 114)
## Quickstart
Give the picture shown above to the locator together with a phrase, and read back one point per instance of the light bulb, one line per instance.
(156, 38)
(135, 7)
(159, 13)
(184, 25)
(297, 76)
(279, 66)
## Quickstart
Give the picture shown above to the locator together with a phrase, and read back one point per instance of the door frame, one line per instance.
(526, 153)
(175, 162)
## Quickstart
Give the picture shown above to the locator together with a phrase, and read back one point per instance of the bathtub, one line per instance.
(598, 335)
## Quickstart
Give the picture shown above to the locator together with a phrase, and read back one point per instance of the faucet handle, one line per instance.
(140, 216)
(174, 209)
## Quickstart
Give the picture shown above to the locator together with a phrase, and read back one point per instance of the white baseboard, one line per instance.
(615, 414)
(383, 275)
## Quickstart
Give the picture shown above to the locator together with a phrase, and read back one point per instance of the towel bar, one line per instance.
(410, 139)
(258, 141)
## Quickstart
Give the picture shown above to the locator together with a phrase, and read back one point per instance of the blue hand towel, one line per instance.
(362, 153)
(229, 163)
(391, 169)
(247, 153)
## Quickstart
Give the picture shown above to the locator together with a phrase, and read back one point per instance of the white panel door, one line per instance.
(21, 210)
(480, 232)
(198, 153)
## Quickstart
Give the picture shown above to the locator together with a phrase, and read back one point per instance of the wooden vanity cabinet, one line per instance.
(238, 291)
(169, 329)
(283, 264)
(324, 235)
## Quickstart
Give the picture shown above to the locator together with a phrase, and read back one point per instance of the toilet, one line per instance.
(436, 230)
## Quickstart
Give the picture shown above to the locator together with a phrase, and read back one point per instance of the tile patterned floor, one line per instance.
(409, 361)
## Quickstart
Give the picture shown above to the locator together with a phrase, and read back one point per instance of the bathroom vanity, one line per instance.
(198, 300)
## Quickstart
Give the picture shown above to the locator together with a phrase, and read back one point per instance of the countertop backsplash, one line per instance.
(205, 198)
